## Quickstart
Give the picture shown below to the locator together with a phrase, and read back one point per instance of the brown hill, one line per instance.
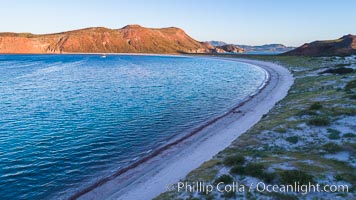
(129, 39)
(343, 46)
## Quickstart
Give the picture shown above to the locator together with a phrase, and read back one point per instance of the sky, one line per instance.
(252, 22)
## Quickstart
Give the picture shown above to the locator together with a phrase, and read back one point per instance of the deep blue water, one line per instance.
(67, 120)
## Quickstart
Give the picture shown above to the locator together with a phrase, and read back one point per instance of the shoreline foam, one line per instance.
(135, 182)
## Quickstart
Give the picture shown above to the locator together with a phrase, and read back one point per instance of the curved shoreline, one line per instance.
(174, 140)
(136, 181)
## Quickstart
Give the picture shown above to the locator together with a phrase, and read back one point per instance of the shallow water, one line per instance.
(68, 120)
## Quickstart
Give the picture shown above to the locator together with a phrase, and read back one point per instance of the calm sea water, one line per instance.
(67, 120)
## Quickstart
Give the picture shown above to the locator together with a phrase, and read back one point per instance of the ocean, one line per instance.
(66, 121)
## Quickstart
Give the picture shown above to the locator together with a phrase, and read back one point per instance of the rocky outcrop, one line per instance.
(343, 46)
(129, 39)
(229, 48)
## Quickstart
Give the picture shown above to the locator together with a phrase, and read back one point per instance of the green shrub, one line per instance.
(319, 121)
(209, 197)
(330, 130)
(339, 177)
(280, 130)
(292, 139)
(292, 176)
(331, 147)
(349, 135)
(341, 70)
(334, 134)
(226, 179)
(342, 65)
(316, 106)
(255, 170)
(337, 111)
(282, 196)
(353, 96)
(268, 177)
(229, 195)
(350, 85)
(237, 169)
(234, 160)
(307, 112)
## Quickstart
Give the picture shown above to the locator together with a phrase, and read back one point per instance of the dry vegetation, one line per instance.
(309, 136)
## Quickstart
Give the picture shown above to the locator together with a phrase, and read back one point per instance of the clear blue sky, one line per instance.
(234, 21)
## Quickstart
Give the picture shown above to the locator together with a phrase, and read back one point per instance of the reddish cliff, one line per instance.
(129, 39)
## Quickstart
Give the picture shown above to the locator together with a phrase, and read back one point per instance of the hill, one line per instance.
(129, 39)
(228, 48)
(343, 46)
(260, 48)
(266, 48)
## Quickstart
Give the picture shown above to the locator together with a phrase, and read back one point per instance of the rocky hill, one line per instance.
(129, 39)
(343, 46)
(228, 48)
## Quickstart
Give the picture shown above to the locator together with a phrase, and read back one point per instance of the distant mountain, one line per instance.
(129, 39)
(262, 48)
(266, 48)
(343, 46)
(217, 43)
(228, 48)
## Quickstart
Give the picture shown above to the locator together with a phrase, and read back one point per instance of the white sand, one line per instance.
(152, 177)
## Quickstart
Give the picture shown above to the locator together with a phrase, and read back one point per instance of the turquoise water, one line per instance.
(68, 120)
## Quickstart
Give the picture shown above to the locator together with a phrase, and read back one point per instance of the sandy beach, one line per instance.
(155, 175)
